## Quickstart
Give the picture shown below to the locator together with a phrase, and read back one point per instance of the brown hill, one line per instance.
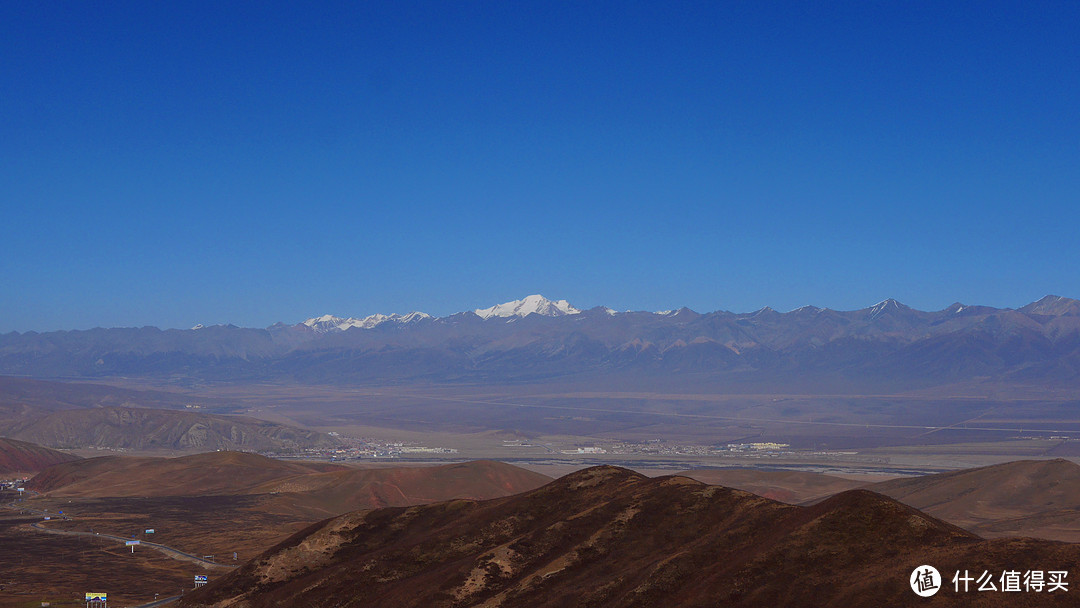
(309, 490)
(1039, 498)
(793, 487)
(22, 457)
(222, 502)
(196, 475)
(607, 536)
(335, 492)
(144, 428)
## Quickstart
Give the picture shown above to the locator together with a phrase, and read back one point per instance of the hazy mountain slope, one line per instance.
(198, 474)
(143, 428)
(610, 537)
(44, 395)
(1038, 498)
(325, 494)
(792, 487)
(308, 491)
(22, 457)
(22, 399)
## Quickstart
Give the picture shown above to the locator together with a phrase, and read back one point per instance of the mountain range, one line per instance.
(886, 347)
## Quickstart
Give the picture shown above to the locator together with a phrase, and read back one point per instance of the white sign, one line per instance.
(149, 531)
(131, 543)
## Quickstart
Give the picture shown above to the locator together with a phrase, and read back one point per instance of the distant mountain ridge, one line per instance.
(885, 347)
(537, 304)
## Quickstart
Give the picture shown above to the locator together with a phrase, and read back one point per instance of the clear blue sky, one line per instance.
(178, 163)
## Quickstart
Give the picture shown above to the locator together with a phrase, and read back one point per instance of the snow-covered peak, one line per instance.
(198, 326)
(324, 323)
(885, 306)
(534, 304)
(412, 317)
(329, 323)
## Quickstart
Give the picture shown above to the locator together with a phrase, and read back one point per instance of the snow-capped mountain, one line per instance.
(887, 306)
(880, 347)
(534, 304)
(329, 323)
(537, 304)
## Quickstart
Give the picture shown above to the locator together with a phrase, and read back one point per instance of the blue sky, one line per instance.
(178, 163)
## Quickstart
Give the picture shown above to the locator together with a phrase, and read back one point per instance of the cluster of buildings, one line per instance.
(766, 446)
(356, 449)
(589, 450)
(12, 484)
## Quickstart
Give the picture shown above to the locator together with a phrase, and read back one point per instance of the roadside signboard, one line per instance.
(131, 543)
(200, 580)
(149, 531)
(47, 518)
(96, 597)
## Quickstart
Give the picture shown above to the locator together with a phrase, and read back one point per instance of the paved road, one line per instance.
(170, 551)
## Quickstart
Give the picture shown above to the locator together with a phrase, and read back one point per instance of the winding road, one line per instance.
(168, 551)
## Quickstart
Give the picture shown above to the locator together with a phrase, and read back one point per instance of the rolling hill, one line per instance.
(22, 457)
(209, 473)
(793, 487)
(335, 492)
(220, 502)
(610, 537)
(1039, 498)
(309, 490)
